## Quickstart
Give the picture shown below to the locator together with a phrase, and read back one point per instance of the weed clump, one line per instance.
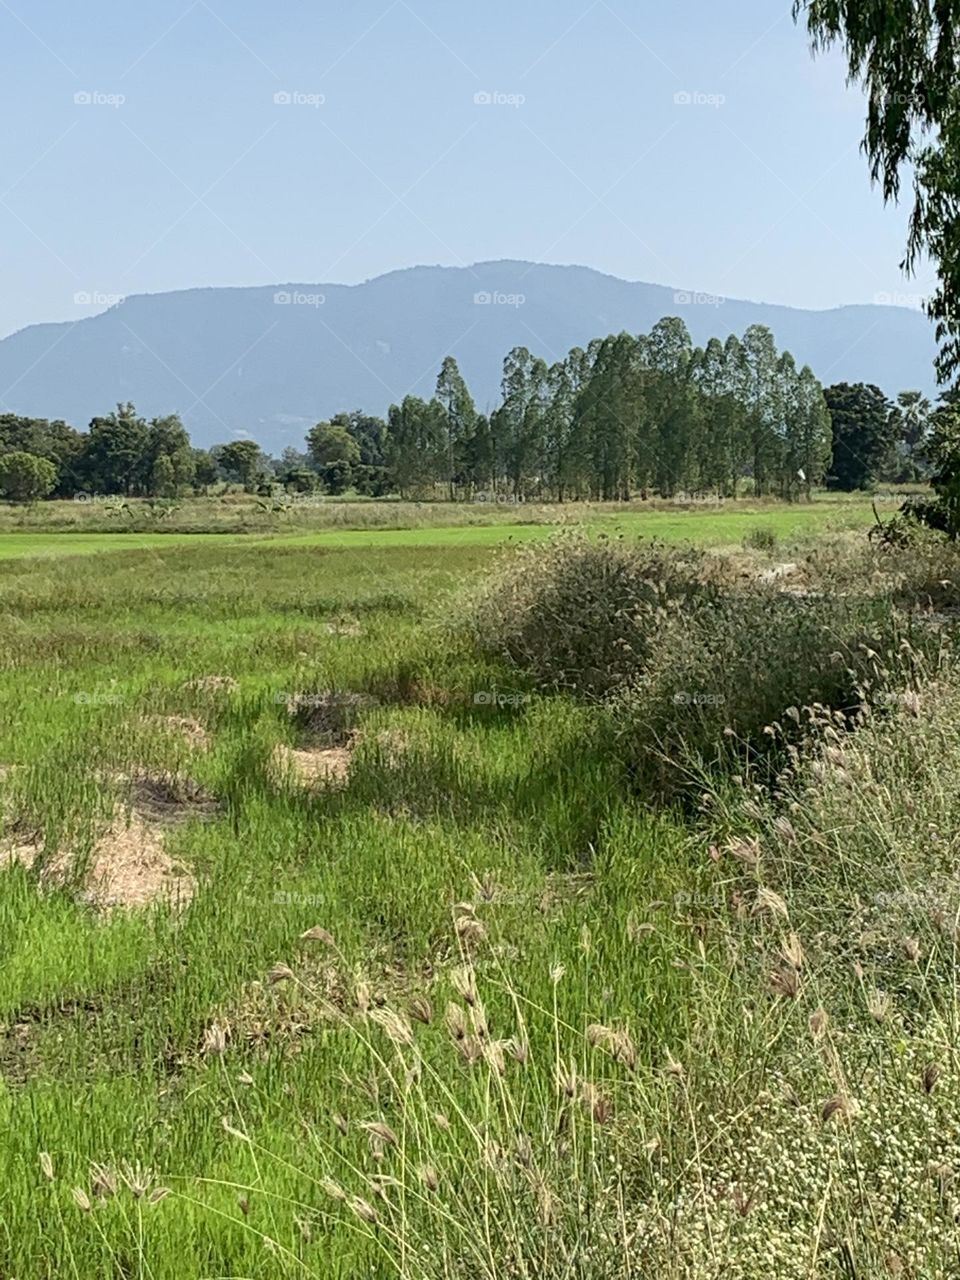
(586, 614)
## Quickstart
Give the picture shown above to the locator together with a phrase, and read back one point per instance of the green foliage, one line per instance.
(330, 443)
(240, 461)
(865, 425)
(25, 477)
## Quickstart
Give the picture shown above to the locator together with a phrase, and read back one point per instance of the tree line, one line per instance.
(626, 416)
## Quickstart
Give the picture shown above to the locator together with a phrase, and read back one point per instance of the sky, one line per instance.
(171, 144)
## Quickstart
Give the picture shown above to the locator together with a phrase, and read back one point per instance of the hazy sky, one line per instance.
(149, 146)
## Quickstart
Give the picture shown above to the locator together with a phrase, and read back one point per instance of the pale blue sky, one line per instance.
(198, 177)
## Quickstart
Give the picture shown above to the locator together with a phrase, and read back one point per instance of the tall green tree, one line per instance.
(864, 427)
(459, 418)
(417, 445)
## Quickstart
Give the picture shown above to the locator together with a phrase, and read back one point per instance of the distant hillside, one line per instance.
(271, 361)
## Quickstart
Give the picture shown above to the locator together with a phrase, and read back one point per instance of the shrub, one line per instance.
(761, 538)
(730, 685)
(25, 477)
(585, 614)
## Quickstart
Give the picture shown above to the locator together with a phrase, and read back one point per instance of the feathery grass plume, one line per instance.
(103, 1181)
(158, 1194)
(421, 1010)
(441, 1121)
(567, 1080)
(879, 1005)
(464, 983)
(362, 994)
(470, 1049)
(280, 973)
(363, 1209)
(456, 1021)
(478, 1020)
(381, 1130)
(493, 1052)
(137, 1178)
(518, 1049)
(470, 931)
(785, 982)
(215, 1040)
(81, 1199)
(318, 934)
(769, 901)
(46, 1165)
(394, 1025)
(792, 951)
(818, 1022)
(429, 1178)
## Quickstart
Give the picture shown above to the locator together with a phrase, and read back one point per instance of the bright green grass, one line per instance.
(705, 525)
(103, 1018)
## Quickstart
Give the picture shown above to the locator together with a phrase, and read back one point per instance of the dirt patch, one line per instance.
(314, 766)
(191, 731)
(328, 718)
(127, 867)
(170, 798)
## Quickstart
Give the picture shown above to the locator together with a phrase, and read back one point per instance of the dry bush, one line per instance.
(586, 614)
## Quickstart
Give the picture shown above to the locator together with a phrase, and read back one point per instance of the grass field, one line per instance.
(331, 947)
(62, 528)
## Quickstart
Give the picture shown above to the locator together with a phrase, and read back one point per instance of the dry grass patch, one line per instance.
(128, 865)
(191, 731)
(313, 766)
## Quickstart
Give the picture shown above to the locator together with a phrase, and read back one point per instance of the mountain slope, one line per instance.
(244, 360)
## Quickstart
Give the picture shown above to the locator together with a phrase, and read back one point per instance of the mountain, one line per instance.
(271, 361)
